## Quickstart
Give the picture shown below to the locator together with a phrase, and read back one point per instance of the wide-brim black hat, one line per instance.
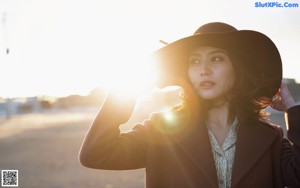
(253, 50)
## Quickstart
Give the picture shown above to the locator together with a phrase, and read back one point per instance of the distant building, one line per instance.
(9, 107)
(294, 88)
(13, 106)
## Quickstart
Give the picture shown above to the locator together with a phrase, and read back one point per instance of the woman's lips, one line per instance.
(206, 84)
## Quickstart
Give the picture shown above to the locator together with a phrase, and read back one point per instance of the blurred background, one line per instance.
(59, 57)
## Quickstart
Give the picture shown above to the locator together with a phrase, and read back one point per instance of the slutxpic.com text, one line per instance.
(276, 5)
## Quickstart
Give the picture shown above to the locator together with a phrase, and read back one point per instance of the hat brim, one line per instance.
(254, 50)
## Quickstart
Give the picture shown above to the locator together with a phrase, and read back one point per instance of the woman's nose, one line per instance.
(204, 71)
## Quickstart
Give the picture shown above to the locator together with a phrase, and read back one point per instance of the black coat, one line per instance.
(263, 157)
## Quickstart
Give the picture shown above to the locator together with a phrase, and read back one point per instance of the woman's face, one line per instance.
(211, 73)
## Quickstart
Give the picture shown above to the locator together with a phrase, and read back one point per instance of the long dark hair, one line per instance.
(247, 101)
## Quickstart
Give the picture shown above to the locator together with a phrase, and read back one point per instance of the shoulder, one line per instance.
(273, 128)
(295, 109)
(293, 115)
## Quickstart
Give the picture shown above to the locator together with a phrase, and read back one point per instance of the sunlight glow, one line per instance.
(86, 44)
(131, 76)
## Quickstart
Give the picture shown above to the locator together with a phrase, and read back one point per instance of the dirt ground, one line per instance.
(44, 148)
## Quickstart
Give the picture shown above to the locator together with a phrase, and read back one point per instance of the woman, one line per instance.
(219, 136)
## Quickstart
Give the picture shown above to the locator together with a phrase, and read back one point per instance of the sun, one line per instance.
(131, 75)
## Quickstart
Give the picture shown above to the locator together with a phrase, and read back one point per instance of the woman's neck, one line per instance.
(219, 121)
(220, 116)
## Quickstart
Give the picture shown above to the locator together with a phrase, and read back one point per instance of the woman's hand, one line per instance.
(283, 99)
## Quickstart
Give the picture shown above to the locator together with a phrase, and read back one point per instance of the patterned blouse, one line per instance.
(224, 155)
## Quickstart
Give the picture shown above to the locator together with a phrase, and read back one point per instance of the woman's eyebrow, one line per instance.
(212, 52)
(218, 51)
(194, 54)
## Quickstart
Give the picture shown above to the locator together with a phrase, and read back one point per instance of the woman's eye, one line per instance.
(194, 61)
(217, 59)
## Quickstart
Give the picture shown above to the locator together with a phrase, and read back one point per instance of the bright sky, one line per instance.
(63, 47)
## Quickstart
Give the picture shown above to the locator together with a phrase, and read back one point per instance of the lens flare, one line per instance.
(170, 122)
(169, 117)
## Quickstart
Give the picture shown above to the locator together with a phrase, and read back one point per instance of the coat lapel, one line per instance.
(253, 139)
(198, 149)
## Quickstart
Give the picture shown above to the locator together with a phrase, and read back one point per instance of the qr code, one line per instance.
(9, 178)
